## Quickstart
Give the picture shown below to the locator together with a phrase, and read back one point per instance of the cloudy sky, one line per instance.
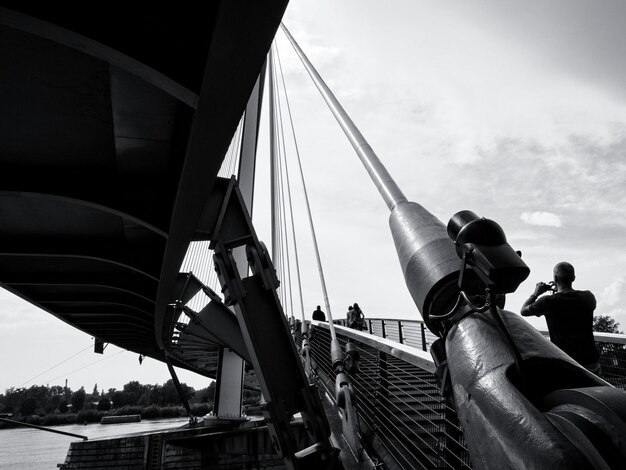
(514, 110)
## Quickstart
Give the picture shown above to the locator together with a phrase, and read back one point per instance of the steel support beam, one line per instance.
(230, 378)
(267, 336)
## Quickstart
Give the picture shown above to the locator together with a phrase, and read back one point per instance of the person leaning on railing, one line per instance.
(569, 316)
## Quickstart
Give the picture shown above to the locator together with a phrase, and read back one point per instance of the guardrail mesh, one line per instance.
(612, 348)
(613, 362)
(403, 417)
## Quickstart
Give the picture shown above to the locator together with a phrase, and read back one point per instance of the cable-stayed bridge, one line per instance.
(119, 215)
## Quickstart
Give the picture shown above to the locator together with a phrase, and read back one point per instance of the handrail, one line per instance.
(414, 333)
(616, 338)
(409, 354)
(405, 422)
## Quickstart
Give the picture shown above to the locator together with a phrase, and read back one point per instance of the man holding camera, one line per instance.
(569, 316)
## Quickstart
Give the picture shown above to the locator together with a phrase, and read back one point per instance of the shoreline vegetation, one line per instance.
(95, 416)
(55, 405)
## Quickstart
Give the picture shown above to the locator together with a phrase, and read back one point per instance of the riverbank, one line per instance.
(152, 412)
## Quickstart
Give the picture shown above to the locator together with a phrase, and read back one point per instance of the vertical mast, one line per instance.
(273, 153)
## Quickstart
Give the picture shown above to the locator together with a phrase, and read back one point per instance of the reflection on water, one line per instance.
(26, 448)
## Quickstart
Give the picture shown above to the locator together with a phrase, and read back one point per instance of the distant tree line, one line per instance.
(48, 405)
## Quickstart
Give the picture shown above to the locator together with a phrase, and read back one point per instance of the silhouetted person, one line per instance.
(569, 316)
(318, 314)
(355, 317)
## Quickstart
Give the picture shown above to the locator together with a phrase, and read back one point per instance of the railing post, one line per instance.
(400, 336)
(369, 324)
(381, 391)
(384, 333)
(423, 336)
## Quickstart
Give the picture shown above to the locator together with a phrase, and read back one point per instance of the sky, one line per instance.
(514, 110)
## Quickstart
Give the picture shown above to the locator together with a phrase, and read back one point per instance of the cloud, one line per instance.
(612, 293)
(547, 219)
(572, 36)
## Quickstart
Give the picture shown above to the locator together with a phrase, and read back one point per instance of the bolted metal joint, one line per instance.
(261, 265)
(305, 347)
(352, 359)
(228, 277)
(342, 386)
(336, 354)
(211, 294)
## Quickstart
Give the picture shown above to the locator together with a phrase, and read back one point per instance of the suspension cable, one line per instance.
(276, 222)
(293, 229)
(282, 238)
(387, 187)
(198, 259)
(283, 219)
(338, 358)
(55, 366)
(283, 226)
(88, 365)
(280, 268)
(279, 245)
(311, 226)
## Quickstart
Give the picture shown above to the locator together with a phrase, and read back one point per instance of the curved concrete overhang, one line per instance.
(114, 126)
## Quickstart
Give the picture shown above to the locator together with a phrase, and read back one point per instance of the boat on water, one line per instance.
(120, 419)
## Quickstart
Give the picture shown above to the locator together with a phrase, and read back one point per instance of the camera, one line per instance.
(548, 286)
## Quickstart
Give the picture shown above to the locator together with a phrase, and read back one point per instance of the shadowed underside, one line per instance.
(113, 127)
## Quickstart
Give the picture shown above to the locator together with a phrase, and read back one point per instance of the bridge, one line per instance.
(120, 136)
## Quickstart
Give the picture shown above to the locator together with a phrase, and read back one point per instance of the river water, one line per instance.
(32, 449)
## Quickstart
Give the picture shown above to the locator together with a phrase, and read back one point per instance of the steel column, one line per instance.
(229, 386)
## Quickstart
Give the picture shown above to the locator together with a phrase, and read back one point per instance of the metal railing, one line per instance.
(410, 332)
(404, 420)
(612, 347)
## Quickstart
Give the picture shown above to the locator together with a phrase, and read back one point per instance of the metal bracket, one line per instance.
(350, 423)
(352, 360)
(261, 265)
(228, 276)
(305, 349)
(344, 398)
(266, 334)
